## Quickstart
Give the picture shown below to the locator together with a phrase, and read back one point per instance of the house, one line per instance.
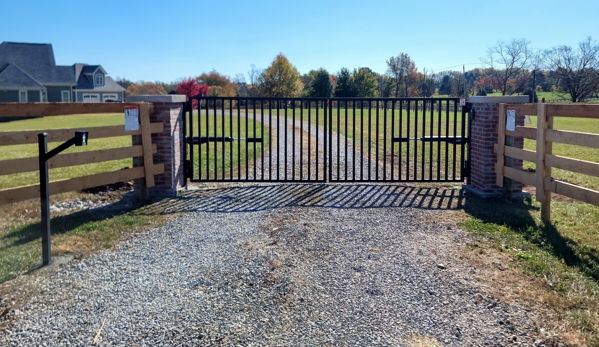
(28, 73)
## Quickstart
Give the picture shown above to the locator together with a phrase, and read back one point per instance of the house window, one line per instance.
(43, 95)
(22, 96)
(66, 96)
(99, 79)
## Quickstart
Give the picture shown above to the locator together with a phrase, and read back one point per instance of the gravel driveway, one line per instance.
(279, 265)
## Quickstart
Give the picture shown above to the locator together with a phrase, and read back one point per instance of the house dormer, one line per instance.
(94, 73)
(98, 79)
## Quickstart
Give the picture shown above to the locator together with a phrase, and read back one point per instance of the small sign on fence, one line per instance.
(131, 118)
(462, 101)
(510, 121)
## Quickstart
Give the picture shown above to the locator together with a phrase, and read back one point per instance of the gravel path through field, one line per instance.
(278, 265)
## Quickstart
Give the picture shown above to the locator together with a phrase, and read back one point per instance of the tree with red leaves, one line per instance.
(190, 87)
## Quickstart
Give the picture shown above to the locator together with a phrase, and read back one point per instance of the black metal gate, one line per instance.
(326, 139)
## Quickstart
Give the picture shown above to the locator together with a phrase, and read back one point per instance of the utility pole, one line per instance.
(464, 74)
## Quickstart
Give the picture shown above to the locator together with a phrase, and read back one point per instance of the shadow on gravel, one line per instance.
(516, 214)
(265, 197)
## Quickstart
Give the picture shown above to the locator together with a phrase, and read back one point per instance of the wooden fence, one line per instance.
(20, 165)
(545, 160)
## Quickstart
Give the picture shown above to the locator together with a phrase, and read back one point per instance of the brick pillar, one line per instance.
(482, 139)
(168, 109)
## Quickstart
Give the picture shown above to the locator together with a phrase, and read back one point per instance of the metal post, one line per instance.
(534, 83)
(44, 197)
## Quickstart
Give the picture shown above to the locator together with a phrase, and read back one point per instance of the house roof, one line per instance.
(13, 77)
(32, 65)
(86, 82)
(38, 60)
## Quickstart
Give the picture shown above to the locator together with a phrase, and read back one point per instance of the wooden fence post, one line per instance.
(543, 169)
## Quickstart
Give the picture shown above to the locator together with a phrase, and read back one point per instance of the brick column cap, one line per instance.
(170, 98)
(507, 99)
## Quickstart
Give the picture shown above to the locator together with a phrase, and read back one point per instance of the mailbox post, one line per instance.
(80, 139)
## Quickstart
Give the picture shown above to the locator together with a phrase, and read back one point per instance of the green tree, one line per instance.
(344, 84)
(280, 79)
(457, 85)
(307, 80)
(385, 85)
(321, 86)
(426, 84)
(364, 83)
(445, 85)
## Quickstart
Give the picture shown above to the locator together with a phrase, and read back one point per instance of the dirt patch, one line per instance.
(554, 197)
(496, 274)
(110, 190)
(422, 341)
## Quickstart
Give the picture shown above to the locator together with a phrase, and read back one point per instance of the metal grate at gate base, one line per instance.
(326, 140)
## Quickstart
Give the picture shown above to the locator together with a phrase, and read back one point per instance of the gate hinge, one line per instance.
(466, 169)
(187, 168)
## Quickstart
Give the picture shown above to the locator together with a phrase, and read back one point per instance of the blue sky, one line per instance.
(164, 41)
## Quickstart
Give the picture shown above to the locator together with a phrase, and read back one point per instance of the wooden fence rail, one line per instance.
(545, 160)
(20, 165)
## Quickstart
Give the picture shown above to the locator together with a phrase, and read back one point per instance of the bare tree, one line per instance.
(577, 69)
(255, 80)
(402, 71)
(507, 60)
(242, 87)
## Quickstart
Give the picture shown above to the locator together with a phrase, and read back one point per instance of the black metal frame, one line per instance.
(396, 125)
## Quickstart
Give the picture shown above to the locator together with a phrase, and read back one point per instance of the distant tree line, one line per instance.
(509, 67)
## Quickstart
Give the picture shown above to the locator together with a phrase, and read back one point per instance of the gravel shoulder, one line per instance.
(278, 274)
(283, 265)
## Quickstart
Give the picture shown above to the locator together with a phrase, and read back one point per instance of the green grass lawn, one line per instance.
(59, 122)
(372, 131)
(565, 254)
(584, 125)
(220, 160)
(79, 232)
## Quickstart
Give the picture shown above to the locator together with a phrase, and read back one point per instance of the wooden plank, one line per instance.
(61, 135)
(525, 132)
(517, 153)
(574, 110)
(13, 166)
(519, 175)
(544, 123)
(146, 140)
(575, 192)
(527, 109)
(500, 146)
(11, 195)
(575, 165)
(62, 108)
(573, 138)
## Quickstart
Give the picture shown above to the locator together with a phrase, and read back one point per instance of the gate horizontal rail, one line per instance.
(256, 139)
